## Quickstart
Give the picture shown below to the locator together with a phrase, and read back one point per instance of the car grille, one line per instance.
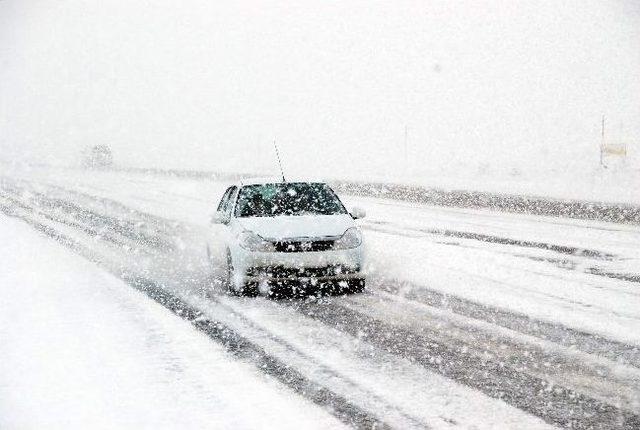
(281, 272)
(303, 246)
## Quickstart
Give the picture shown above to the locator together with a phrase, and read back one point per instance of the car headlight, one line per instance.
(252, 242)
(352, 238)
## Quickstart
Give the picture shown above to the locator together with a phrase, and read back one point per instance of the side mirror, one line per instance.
(218, 218)
(357, 213)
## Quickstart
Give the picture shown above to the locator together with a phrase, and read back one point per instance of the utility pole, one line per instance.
(602, 143)
(406, 152)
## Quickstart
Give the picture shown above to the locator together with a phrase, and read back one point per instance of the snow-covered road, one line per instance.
(81, 349)
(472, 319)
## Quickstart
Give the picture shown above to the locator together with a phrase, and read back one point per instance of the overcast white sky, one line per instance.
(201, 84)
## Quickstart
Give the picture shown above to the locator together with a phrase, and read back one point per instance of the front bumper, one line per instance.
(322, 274)
(319, 266)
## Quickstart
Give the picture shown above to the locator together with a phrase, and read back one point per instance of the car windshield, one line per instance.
(266, 200)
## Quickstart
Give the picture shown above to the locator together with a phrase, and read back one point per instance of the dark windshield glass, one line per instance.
(288, 199)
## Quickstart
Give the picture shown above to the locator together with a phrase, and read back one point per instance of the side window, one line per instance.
(225, 198)
(233, 192)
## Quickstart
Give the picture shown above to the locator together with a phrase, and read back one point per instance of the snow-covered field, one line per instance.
(472, 318)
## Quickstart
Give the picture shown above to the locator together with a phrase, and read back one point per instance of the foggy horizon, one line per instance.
(207, 86)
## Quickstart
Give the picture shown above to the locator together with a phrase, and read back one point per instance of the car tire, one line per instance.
(250, 290)
(228, 282)
(357, 285)
(246, 289)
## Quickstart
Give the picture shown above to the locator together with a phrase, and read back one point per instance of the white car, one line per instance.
(270, 233)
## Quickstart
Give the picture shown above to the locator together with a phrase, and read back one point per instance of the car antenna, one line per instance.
(279, 162)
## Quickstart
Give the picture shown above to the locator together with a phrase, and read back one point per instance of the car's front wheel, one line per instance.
(233, 286)
(229, 281)
(357, 285)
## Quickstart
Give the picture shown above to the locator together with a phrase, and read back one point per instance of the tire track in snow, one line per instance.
(570, 338)
(581, 253)
(553, 403)
(602, 379)
(243, 349)
(383, 226)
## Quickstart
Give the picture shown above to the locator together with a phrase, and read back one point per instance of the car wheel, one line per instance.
(357, 285)
(246, 289)
(229, 283)
(250, 289)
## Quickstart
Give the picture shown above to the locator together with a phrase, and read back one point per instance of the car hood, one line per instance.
(303, 226)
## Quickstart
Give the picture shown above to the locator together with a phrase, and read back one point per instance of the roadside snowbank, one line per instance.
(598, 185)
